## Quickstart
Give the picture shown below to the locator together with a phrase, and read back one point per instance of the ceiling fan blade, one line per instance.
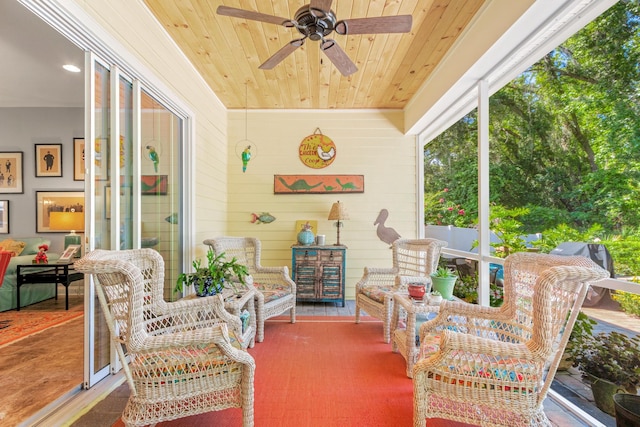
(285, 51)
(248, 14)
(324, 5)
(377, 25)
(334, 52)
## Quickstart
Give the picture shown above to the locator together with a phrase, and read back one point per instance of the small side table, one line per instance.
(404, 340)
(234, 303)
(55, 273)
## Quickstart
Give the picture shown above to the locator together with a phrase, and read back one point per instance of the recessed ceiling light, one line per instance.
(71, 68)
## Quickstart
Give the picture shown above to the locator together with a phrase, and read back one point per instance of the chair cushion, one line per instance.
(376, 293)
(482, 367)
(272, 291)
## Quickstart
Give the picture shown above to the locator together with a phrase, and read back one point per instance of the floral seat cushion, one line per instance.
(509, 371)
(376, 293)
(272, 291)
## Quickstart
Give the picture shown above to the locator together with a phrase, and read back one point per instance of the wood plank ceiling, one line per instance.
(227, 52)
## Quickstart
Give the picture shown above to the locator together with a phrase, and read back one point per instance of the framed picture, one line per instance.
(69, 253)
(56, 201)
(125, 202)
(78, 159)
(48, 160)
(4, 217)
(154, 185)
(11, 176)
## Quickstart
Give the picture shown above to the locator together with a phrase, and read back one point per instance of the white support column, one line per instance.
(483, 192)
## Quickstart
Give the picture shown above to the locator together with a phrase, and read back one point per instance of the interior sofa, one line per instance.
(32, 293)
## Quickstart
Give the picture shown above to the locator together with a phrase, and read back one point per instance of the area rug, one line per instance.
(322, 372)
(16, 325)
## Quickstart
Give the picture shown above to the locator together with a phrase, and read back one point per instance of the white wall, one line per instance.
(20, 130)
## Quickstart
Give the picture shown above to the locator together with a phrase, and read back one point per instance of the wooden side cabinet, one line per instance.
(319, 272)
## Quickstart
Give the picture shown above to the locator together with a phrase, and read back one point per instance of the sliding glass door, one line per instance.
(133, 187)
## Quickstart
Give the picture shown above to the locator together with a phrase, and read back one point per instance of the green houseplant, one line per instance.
(611, 363)
(212, 279)
(443, 280)
(582, 330)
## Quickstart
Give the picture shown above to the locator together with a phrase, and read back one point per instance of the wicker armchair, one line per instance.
(276, 291)
(493, 366)
(183, 358)
(413, 261)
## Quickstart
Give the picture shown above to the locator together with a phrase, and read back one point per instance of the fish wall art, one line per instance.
(262, 218)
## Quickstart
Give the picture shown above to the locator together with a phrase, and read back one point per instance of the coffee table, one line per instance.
(403, 340)
(54, 273)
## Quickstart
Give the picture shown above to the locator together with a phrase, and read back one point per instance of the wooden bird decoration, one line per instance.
(386, 234)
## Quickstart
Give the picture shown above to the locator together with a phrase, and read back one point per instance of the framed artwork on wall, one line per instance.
(48, 160)
(56, 201)
(78, 159)
(4, 217)
(11, 175)
(154, 185)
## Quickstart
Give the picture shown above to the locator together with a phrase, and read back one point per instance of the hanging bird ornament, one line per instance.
(246, 156)
(153, 156)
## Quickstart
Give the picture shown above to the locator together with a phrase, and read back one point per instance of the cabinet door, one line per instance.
(331, 274)
(305, 273)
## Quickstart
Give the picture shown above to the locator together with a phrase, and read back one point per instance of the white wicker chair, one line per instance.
(413, 261)
(276, 291)
(183, 360)
(493, 366)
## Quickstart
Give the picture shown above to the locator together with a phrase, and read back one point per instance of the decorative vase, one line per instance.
(416, 290)
(444, 285)
(306, 237)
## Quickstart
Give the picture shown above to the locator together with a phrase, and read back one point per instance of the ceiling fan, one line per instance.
(316, 21)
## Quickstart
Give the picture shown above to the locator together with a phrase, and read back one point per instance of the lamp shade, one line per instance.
(66, 221)
(338, 212)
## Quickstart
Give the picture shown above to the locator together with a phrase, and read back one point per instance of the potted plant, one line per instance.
(443, 280)
(212, 279)
(582, 330)
(611, 363)
(435, 298)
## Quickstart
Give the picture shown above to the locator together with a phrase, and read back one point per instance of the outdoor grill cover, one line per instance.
(599, 254)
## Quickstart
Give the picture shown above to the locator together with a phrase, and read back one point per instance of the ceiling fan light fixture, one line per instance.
(316, 21)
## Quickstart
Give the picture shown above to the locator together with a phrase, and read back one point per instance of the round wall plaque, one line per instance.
(317, 150)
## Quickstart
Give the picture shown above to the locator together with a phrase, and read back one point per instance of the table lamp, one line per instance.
(338, 214)
(68, 221)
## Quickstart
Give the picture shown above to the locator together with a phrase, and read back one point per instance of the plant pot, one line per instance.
(603, 392)
(444, 285)
(627, 408)
(416, 290)
(209, 288)
(435, 299)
